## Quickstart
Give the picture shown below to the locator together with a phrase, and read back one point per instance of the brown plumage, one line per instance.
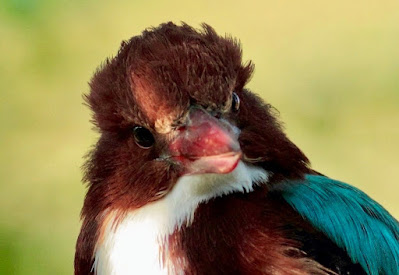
(154, 82)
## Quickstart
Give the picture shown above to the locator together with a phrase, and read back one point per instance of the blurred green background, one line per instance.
(330, 67)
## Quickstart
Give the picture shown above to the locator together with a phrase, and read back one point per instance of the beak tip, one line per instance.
(217, 164)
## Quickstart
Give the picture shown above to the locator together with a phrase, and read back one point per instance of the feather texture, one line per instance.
(354, 221)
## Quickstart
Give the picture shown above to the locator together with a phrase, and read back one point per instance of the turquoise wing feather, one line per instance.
(350, 218)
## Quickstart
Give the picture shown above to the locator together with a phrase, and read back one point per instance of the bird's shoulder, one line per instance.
(351, 219)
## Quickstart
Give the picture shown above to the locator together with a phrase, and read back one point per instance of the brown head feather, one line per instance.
(151, 82)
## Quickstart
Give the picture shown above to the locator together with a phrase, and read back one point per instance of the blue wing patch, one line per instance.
(350, 218)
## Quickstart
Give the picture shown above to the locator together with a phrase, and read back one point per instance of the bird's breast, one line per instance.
(143, 241)
(134, 245)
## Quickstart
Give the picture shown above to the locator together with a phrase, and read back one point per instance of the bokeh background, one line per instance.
(330, 67)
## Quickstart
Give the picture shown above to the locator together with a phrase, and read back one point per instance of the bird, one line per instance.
(193, 173)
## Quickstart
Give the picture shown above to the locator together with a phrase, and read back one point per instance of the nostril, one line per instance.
(217, 114)
(181, 128)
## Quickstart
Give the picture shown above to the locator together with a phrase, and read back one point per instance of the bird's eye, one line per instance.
(235, 105)
(143, 137)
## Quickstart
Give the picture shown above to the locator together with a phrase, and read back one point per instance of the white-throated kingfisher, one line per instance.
(193, 174)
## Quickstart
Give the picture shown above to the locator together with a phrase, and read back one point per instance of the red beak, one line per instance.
(206, 144)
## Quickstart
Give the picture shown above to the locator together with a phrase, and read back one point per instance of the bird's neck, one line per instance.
(144, 240)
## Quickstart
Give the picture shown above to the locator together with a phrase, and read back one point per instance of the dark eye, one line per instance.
(143, 137)
(235, 105)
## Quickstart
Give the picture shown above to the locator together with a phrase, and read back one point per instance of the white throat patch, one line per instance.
(133, 247)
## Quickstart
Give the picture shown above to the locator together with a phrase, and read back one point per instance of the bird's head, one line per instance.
(173, 104)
